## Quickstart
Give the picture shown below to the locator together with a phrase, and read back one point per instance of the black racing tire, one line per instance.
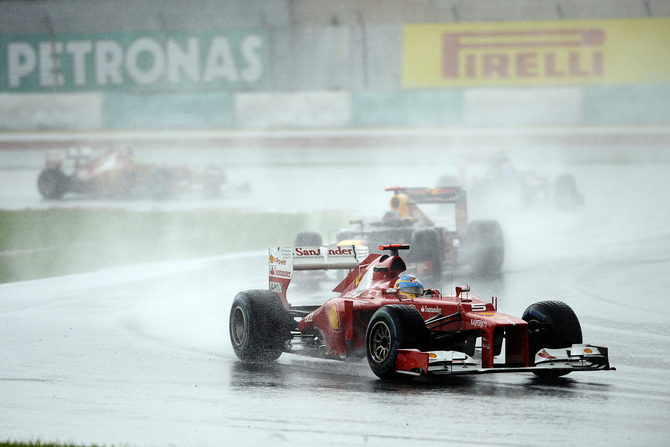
(308, 239)
(485, 247)
(391, 328)
(161, 185)
(52, 183)
(426, 245)
(558, 328)
(259, 326)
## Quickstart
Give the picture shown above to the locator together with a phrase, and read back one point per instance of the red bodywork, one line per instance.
(342, 321)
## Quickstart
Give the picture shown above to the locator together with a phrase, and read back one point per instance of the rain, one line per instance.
(182, 139)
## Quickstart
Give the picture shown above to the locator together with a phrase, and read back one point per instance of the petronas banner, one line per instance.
(145, 62)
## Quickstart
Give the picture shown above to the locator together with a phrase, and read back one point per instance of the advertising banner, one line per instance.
(584, 52)
(134, 62)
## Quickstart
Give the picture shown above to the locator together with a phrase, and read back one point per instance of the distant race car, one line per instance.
(479, 243)
(117, 173)
(503, 183)
(402, 329)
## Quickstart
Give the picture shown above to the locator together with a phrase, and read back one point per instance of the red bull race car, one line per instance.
(435, 248)
(401, 328)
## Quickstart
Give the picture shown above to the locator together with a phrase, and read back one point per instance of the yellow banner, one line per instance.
(626, 51)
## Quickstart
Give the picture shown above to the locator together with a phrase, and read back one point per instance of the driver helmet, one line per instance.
(409, 286)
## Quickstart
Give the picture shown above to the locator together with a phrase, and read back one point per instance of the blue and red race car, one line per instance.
(403, 335)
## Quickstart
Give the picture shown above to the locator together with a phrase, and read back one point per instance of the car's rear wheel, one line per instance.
(551, 324)
(391, 328)
(52, 183)
(259, 326)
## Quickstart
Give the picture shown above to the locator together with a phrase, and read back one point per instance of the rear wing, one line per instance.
(451, 194)
(285, 260)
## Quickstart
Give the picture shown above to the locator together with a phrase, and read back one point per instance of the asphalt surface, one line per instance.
(140, 355)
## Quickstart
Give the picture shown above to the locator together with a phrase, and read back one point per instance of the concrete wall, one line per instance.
(335, 63)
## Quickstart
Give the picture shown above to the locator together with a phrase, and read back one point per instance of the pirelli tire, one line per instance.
(551, 324)
(259, 326)
(308, 239)
(427, 246)
(391, 328)
(52, 183)
(485, 247)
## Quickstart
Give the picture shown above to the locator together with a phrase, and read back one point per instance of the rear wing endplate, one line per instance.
(285, 260)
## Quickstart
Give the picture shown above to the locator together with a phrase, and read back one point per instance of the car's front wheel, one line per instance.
(551, 324)
(391, 328)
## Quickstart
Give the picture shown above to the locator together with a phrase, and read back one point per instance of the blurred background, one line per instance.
(554, 115)
(317, 64)
(312, 107)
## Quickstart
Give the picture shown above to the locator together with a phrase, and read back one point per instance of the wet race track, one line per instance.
(140, 355)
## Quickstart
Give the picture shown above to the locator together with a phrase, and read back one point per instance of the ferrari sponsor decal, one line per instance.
(488, 314)
(430, 309)
(334, 318)
(566, 52)
(277, 261)
(279, 273)
(275, 287)
(476, 322)
(339, 251)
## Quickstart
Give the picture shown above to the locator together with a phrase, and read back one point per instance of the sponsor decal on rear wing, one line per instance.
(285, 260)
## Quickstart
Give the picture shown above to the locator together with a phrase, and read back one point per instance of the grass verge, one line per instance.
(44, 243)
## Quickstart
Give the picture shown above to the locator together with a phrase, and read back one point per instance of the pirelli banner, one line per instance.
(175, 61)
(630, 51)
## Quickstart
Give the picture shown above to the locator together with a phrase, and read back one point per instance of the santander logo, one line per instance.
(339, 251)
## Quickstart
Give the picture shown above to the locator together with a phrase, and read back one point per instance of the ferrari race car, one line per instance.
(478, 244)
(402, 336)
(117, 173)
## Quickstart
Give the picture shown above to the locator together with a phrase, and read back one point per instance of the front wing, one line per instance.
(579, 357)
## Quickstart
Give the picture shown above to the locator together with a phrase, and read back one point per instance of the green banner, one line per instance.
(182, 61)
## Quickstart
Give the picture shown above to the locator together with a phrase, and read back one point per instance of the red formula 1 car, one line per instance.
(117, 173)
(431, 334)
